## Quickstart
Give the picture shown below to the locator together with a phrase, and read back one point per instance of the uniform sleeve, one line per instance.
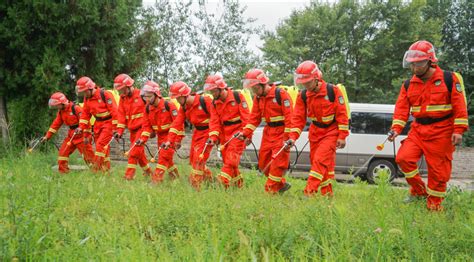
(244, 109)
(57, 123)
(176, 132)
(112, 107)
(146, 127)
(342, 118)
(214, 124)
(84, 121)
(121, 123)
(88, 130)
(458, 101)
(287, 109)
(254, 119)
(402, 111)
(298, 119)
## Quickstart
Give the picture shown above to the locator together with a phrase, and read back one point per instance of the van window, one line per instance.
(373, 123)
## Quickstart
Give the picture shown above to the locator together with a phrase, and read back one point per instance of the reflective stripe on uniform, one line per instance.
(236, 179)
(162, 167)
(121, 126)
(145, 133)
(287, 130)
(205, 121)
(176, 131)
(165, 126)
(132, 166)
(315, 175)
(399, 122)
(197, 172)
(137, 116)
(274, 178)
(63, 158)
(216, 133)
(411, 173)
(234, 119)
(223, 174)
(52, 130)
(100, 154)
(435, 193)
(343, 127)
(434, 108)
(297, 130)
(328, 118)
(106, 113)
(461, 121)
(277, 118)
(326, 183)
(146, 167)
(83, 121)
(114, 122)
(250, 126)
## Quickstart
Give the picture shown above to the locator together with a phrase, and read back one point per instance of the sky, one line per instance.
(268, 13)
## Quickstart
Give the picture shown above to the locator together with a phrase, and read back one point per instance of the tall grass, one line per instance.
(84, 216)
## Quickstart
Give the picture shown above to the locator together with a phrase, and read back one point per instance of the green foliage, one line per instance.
(82, 216)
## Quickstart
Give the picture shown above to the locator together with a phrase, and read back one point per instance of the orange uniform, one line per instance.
(130, 115)
(199, 118)
(277, 115)
(228, 118)
(438, 114)
(158, 119)
(105, 113)
(70, 117)
(329, 123)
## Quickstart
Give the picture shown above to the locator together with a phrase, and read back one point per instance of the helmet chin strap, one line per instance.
(220, 92)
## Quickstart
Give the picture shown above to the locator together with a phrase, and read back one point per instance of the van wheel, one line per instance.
(381, 165)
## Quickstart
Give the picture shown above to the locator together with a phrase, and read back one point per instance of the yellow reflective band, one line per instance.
(328, 118)
(234, 119)
(126, 117)
(102, 114)
(155, 127)
(172, 168)
(121, 126)
(297, 130)
(399, 122)
(274, 178)
(132, 166)
(222, 174)
(176, 131)
(236, 179)
(146, 167)
(343, 127)
(461, 121)
(165, 126)
(331, 173)
(198, 172)
(107, 159)
(435, 193)
(63, 158)
(326, 183)
(277, 118)
(100, 154)
(83, 121)
(216, 133)
(411, 173)
(435, 108)
(263, 119)
(250, 126)
(415, 109)
(114, 122)
(52, 130)
(87, 131)
(313, 118)
(162, 167)
(287, 130)
(145, 133)
(316, 175)
(137, 116)
(205, 121)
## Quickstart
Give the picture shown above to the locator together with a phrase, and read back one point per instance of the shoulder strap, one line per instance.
(406, 84)
(303, 96)
(237, 96)
(448, 80)
(147, 108)
(202, 102)
(102, 95)
(73, 109)
(167, 106)
(278, 95)
(330, 91)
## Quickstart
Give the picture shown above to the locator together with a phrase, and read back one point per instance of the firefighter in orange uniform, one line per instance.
(228, 114)
(130, 115)
(195, 108)
(435, 99)
(101, 105)
(324, 105)
(68, 113)
(159, 114)
(273, 105)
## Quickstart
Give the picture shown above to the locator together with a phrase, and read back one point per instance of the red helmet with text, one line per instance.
(214, 81)
(123, 80)
(150, 87)
(179, 88)
(56, 99)
(83, 84)
(255, 77)
(307, 71)
(419, 51)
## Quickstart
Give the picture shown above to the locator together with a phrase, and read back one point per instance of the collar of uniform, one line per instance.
(229, 98)
(322, 90)
(271, 92)
(96, 95)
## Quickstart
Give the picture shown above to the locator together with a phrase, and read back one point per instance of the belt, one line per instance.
(201, 127)
(73, 127)
(228, 123)
(101, 119)
(429, 120)
(275, 124)
(322, 125)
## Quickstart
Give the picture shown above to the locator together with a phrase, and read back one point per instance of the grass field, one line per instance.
(83, 216)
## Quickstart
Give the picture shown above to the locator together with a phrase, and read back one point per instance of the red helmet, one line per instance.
(84, 83)
(307, 71)
(150, 87)
(122, 80)
(419, 51)
(213, 82)
(255, 77)
(56, 99)
(179, 89)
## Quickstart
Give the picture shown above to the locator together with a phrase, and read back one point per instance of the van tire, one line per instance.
(380, 164)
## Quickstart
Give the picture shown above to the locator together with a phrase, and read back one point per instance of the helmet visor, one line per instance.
(54, 103)
(412, 56)
(248, 83)
(302, 78)
(208, 87)
(118, 86)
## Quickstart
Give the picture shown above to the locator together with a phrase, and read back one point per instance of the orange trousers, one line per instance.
(165, 161)
(66, 150)
(103, 133)
(136, 156)
(199, 171)
(438, 154)
(323, 158)
(231, 153)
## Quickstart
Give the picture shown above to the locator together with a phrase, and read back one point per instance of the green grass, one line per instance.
(83, 216)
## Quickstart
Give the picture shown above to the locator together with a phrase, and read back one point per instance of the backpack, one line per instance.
(202, 103)
(331, 96)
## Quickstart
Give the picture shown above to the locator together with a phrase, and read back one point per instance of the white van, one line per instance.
(370, 124)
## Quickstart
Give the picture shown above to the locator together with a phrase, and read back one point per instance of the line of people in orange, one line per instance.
(226, 121)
